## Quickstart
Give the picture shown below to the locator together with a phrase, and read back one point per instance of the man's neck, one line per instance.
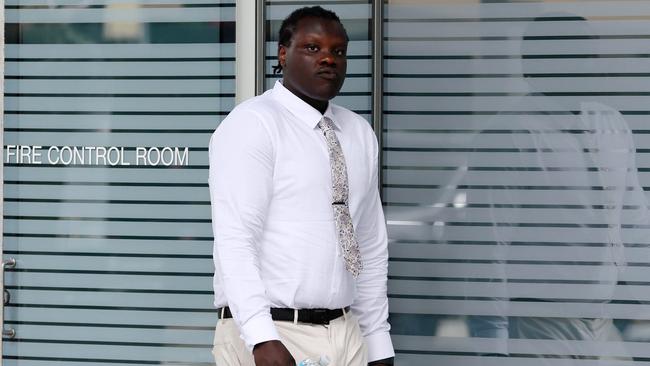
(319, 105)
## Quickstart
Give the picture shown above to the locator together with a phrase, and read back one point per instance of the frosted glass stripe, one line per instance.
(423, 29)
(81, 333)
(119, 51)
(132, 317)
(355, 103)
(581, 221)
(513, 253)
(90, 191)
(515, 10)
(572, 177)
(95, 104)
(108, 2)
(500, 104)
(512, 47)
(119, 86)
(73, 227)
(96, 263)
(190, 140)
(545, 291)
(120, 14)
(490, 195)
(100, 210)
(108, 247)
(185, 211)
(462, 270)
(512, 308)
(104, 174)
(560, 141)
(120, 122)
(479, 160)
(171, 354)
(474, 123)
(519, 346)
(513, 66)
(107, 299)
(409, 231)
(496, 271)
(171, 283)
(140, 69)
(515, 84)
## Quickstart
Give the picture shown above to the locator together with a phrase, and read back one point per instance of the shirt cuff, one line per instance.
(259, 329)
(379, 346)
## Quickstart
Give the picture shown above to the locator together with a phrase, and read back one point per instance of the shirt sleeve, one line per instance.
(371, 303)
(241, 170)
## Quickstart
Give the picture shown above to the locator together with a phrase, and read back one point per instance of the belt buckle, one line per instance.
(319, 316)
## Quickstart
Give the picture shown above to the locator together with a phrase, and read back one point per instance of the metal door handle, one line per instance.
(9, 263)
(9, 333)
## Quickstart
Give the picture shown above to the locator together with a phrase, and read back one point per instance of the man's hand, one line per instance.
(272, 353)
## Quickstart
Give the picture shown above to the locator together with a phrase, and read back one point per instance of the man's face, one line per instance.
(314, 63)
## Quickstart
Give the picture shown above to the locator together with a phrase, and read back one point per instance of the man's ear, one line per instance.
(282, 55)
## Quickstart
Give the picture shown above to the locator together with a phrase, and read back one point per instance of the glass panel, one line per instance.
(109, 107)
(515, 164)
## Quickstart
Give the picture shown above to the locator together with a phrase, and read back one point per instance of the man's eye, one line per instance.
(339, 52)
(312, 48)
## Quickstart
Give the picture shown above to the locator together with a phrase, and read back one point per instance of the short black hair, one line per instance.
(288, 27)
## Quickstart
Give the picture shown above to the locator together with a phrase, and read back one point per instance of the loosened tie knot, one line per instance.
(326, 124)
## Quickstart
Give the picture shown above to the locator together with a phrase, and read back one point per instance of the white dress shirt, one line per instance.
(274, 231)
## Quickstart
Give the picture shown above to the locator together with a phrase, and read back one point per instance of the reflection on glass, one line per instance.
(563, 213)
(513, 183)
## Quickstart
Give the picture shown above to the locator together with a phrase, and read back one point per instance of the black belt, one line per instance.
(312, 316)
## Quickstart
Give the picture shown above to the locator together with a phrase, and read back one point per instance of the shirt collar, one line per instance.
(299, 108)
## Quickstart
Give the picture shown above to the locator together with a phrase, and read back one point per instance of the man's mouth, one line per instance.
(328, 74)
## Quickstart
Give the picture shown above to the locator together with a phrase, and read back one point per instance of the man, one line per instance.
(300, 238)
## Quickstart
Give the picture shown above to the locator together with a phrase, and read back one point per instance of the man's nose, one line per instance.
(327, 59)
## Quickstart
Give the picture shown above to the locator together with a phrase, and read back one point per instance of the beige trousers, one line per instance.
(341, 341)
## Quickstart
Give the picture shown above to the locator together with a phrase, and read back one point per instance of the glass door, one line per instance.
(515, 181)
(109, 107)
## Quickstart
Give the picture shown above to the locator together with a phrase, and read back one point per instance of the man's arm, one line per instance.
(241, 171)
(371, 303)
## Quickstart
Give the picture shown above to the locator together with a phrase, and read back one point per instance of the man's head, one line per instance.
(312, 54)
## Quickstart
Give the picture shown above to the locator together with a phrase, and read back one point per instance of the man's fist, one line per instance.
(272, 353)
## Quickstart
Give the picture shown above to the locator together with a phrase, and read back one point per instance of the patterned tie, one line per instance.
(343, 221)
